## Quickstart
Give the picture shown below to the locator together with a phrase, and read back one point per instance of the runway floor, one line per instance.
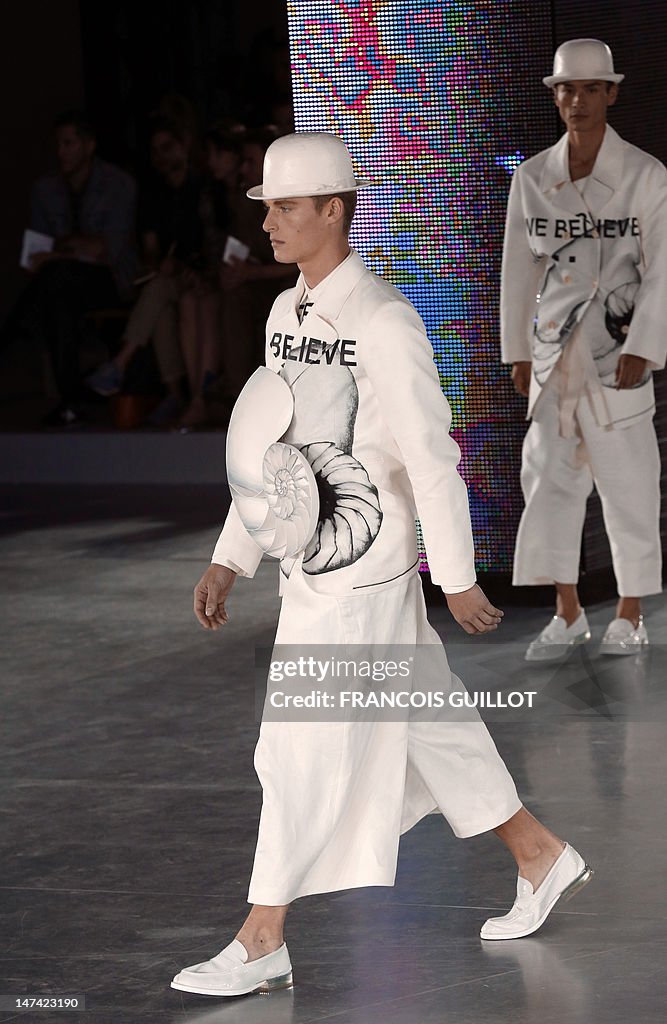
(129, 801)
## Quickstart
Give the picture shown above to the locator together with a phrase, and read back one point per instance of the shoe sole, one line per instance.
(568, 892)
(264, 987)
(616, 652)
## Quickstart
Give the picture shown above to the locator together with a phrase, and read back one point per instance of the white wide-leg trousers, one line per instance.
(338, 795)
(558, 475)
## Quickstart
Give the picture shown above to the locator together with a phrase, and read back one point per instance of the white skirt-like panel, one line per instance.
(338, 794)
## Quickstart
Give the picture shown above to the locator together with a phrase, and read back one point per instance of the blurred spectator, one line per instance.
(200, 304)
(282, 114)
(248, 286)
(184, 116)
(88, 208)
(171, 237)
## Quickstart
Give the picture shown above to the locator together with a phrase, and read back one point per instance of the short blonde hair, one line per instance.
(349, 201)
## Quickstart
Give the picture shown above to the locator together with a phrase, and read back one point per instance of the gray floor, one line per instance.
(129, 803)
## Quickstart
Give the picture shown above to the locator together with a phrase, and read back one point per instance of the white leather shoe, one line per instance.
(230, 974)
(621, 637)
(557, 639)
(531, 909)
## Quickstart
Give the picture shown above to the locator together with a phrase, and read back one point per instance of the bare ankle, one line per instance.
(569, 614)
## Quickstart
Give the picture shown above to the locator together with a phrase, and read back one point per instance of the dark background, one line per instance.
(231, 58)
(118, 57)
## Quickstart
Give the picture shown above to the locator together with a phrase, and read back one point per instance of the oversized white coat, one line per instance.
(364, 382)
(597, 262)
(370, 416)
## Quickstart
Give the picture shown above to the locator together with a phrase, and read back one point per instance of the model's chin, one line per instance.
(280, 255)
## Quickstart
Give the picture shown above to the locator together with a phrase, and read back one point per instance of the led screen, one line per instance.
(437, 102)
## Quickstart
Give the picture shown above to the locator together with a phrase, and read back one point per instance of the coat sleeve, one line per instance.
(520, 280)
(647, 335)
(235, 547)
(398, 360)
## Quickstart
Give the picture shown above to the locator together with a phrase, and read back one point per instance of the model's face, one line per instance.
(582, 104)
(297, 230)
(74, 151)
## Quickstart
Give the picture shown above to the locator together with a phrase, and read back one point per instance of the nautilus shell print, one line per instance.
(558, 311)
(350, 513)
(550, 337)
(619, 307)
(271, 483)
(292, 498)
(293, 478)
(326, 400)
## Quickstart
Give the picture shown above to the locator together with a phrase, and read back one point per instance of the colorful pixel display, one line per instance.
(434, 100)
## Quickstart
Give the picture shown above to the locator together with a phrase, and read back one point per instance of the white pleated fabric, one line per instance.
(338, 795)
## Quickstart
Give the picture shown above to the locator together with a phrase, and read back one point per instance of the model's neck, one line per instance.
(583, 148)
(316, 269)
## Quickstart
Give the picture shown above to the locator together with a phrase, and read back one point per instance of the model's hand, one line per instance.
(521, 377)
(473, 610)
(629, 371)
(210, 595)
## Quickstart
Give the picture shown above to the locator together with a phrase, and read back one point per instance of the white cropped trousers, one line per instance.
(338, 795)
(558, 475)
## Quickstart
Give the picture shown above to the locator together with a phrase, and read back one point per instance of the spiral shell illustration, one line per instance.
(619, 308)
(350, 513)
(291, 493)
(550, 339)
(261, 415)
(272, 484)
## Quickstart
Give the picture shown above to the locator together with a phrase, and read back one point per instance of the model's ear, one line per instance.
(612, 94)
(335, 210)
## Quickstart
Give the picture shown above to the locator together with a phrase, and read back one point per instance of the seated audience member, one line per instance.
(249, 287)
(184, 116)
(171, 240)
(88, 208)
(200, 305)
(281, 114)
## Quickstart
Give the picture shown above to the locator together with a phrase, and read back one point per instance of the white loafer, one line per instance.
(557, 639)
(531, 909)
(231, 974)
(621, 637)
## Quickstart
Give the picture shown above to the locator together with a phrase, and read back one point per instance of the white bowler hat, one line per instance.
(306, 164)
(583, 60)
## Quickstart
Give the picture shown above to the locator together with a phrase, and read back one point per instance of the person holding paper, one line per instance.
(171, 242)
(88, 209)
(230, 314)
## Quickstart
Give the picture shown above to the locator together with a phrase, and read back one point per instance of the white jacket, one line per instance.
(597, 262)
(372, 420)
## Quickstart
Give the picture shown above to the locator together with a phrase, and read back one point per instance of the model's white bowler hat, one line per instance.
(583, 60)
(307, 164)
